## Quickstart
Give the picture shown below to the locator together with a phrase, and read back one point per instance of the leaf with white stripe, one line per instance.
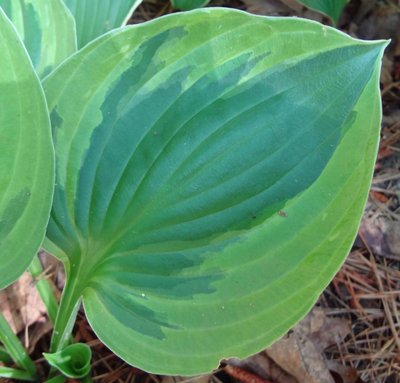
(26, 157)
(94, 18)
(47, 29)
(212, 169)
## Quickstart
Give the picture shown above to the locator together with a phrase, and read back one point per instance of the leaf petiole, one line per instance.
(44, 288)
(66, 315)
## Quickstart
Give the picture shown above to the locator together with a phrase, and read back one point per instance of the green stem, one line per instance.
(44, 288)
(66, 314)
(15, 348)
(12, 373)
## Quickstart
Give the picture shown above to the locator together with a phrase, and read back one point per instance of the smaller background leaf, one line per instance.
(26, 157)
(95, 18)
(47, 29)
(187, 5)
(331, 8)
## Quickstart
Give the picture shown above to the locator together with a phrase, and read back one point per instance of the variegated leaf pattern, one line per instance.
(26, 157)
(212, 169)
(95, 17)
(47, 29)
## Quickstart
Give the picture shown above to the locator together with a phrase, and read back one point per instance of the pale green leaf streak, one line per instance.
(93, 18)
(331, 8)
(47, 29)
(14, 374)
(186, 138)
(26, 157)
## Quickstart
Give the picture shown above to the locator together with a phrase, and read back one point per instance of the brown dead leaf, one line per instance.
(194, 379)
(323, 331)
(36, 332)
(267, 8)
(386, 73)
(346, 374)
(298, 356)
(392, 118)
(294, 5)
(380, 232)
(21, 305)
(299, 353)
(281, 8)
(379, 20)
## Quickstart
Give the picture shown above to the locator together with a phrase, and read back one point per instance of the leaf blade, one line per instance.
(27, 158)
(47, 29)
(12, 373)
(92, 20)
(155, 268)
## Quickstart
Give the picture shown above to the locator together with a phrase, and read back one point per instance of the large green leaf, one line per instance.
(187, 5)
(26, 157)
(47, 29)
(95, 17)
(212, 171)
(331, 8)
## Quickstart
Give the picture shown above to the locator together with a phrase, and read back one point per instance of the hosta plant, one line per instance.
(211, 172)
(212, 168)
